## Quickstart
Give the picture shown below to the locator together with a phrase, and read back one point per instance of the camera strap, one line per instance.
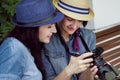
(84, 43)
(62, 40)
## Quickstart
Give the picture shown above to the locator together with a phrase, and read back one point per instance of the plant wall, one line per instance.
(7, 10)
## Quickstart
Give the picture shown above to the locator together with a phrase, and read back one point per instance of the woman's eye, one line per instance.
(49, 26)
(70, 19)
(80, 21)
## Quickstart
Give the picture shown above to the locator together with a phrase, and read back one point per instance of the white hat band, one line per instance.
(73, 9)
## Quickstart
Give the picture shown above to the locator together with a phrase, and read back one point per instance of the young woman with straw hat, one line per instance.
(57, 57)
(34, 26)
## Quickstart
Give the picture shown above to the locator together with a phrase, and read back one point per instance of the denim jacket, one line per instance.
(16, 62)
(54, 56)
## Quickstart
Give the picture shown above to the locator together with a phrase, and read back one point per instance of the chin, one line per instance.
(71, 33)
(47, 41)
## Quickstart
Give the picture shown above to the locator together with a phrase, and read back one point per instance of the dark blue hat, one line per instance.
(34, 13)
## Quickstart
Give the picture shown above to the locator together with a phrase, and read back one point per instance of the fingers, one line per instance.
(76, 65)
(82, 67)
(80, 63)
(89, 60)
(85, 55)
(85, 58)
(85, 64)
(94, 70)
(108, 63)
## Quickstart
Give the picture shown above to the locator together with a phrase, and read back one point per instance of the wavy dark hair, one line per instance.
(85, 23)
(29, 37)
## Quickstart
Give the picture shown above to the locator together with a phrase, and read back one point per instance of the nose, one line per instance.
(53, 29)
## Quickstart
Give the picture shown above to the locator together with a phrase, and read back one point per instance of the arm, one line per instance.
(8, 63)
(75, 66)
(16, 61)
(87, 72)
(64, 75)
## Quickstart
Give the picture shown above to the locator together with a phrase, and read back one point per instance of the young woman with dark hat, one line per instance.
(57, 57)
(34, 25)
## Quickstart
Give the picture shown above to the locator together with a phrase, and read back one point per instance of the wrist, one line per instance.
(68, 71)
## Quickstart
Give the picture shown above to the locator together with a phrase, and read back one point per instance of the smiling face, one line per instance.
(45, 32)
(70, 25)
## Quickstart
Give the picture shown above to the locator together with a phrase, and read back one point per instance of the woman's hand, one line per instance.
(94, 70)
(76, 65)
(79, 64)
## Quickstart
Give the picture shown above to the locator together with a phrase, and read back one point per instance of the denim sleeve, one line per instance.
(48, 66)
(16, 62)
(9, 77)
(12, 62)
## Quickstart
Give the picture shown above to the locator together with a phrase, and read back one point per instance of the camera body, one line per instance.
(101, 64)
(103, 67)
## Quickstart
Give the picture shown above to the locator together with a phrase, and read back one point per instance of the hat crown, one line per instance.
(33, 10)
(76, 9)
(77, 3)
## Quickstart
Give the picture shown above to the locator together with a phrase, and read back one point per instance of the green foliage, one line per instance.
(7, 10)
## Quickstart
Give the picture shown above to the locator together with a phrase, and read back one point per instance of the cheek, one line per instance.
(43, 37)
(66, 23)
(40, 36)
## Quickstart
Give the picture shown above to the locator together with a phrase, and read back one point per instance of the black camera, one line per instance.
(103, 67)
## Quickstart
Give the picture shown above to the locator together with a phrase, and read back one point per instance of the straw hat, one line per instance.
(77, 9)
(35, 13)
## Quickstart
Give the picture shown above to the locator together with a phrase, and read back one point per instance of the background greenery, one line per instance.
(7, 10)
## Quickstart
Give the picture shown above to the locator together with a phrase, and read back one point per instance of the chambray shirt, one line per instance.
(54, 56)
(16, 62)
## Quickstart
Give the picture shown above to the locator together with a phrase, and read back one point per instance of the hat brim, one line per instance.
(59, 16)
(84, 17)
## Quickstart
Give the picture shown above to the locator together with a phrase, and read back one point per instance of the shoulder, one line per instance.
(11, 44)
(12, 47)
(14, 53)
(87, 32)
(89, 36)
